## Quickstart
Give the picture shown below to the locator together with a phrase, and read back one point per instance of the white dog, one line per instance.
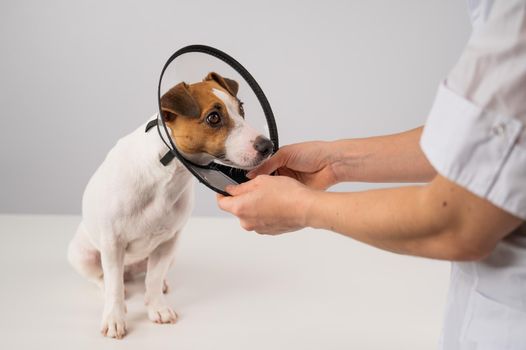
(134, 207)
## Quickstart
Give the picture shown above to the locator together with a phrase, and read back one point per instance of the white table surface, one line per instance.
(231, 290)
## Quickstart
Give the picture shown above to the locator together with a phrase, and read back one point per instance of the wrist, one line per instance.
(311, 214)
(347, 161)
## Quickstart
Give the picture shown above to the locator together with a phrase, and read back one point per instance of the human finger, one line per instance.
(270, 165)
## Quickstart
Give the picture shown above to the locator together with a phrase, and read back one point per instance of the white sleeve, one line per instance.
(475, 134)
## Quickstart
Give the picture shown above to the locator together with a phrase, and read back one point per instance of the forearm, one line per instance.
(389, 219)
(391, 158)
(439, 220)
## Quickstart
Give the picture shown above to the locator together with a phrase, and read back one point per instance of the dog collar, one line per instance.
(214, 176)
(169, 156)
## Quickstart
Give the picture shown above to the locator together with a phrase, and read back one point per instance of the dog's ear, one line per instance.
(230, 85)
(179, 101)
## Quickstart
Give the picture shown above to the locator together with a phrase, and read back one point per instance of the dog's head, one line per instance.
(207, 122)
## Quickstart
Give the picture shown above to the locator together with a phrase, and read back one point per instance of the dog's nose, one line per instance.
(263, 145)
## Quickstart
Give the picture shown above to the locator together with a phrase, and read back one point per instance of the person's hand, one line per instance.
(311, 163)
(269, 204)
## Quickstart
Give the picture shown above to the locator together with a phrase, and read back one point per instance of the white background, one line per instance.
(77, 75)
(232, 290)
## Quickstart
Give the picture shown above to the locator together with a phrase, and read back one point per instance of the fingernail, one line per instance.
(250, 174)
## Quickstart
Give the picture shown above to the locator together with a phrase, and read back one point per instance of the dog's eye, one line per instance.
(213, 119)
(241, 109)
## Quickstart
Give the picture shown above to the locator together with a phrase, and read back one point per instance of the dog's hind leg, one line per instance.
(85, 258)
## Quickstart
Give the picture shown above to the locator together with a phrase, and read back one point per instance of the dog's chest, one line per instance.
(161, 212)
(134, 200)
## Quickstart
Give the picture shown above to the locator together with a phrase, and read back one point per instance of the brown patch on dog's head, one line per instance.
(191, 112)
(179, 101)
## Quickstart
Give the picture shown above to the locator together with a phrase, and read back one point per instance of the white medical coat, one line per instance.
(475, 136)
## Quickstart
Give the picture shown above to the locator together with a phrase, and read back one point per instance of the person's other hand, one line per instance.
(269, 204)
(311, 163)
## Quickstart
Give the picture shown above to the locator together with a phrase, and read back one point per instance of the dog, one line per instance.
(134, 207)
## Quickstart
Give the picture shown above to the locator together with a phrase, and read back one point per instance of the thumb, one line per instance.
(240, 189)
(270, 165)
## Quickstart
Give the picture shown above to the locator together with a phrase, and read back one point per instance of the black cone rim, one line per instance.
(267, 110)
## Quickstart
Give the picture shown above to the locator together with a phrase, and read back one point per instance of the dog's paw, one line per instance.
(113, 325)
(161, 314)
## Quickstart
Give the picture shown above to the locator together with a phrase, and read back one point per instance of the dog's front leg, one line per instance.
(112, 258)
(158, 263)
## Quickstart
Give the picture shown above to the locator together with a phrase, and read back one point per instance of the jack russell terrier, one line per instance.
(134, 208)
